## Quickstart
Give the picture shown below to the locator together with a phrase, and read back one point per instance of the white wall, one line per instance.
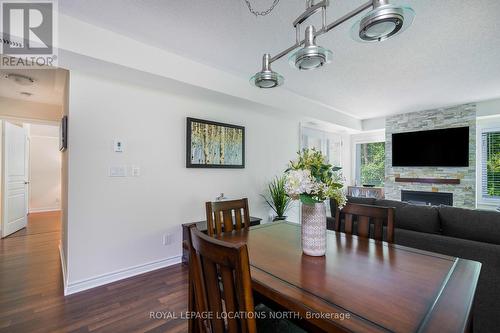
(45, 168)
(488, 108)
(116, 225)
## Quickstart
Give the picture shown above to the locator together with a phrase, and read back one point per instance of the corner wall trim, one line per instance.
(63, 267)
(77, 286)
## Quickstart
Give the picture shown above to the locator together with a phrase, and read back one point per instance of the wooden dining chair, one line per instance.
(365, 215)
(220, 216)
(221, 284)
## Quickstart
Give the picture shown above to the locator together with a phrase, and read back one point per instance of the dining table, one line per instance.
(360, 285)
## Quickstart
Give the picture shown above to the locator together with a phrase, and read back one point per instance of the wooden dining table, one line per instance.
(360, 285)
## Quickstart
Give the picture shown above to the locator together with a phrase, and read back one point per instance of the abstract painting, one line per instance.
(214, 145)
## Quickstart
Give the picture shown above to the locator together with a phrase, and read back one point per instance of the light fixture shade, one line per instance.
(310, 57)
(383, 22)
(267, 79)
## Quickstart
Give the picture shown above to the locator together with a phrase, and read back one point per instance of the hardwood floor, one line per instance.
(31, 290)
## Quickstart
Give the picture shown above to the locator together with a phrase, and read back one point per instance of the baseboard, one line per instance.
(63, 267)
(78, 286)
(45, 210)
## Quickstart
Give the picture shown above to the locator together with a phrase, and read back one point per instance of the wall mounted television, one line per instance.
(436, 148)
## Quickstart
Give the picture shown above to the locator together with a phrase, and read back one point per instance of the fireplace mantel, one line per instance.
(428, 180)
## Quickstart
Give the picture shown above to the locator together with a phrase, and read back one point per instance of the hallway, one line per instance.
(31, 290)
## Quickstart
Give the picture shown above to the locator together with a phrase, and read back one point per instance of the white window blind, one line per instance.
(490, 164)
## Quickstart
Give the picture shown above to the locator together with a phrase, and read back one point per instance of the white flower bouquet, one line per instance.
(311, 179)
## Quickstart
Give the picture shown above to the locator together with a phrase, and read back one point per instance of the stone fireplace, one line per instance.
(462, 180)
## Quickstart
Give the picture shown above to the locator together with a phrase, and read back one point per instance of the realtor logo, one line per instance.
(28, 33)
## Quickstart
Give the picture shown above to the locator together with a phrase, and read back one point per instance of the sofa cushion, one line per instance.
(419, 218)
(477, 225)
(413, 217)
(390, 203)
(361, 201)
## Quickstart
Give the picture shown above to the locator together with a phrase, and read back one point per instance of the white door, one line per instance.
(15, 179)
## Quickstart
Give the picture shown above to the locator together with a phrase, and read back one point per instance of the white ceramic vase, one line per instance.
(314, 229)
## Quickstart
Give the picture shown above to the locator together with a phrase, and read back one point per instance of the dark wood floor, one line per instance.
(31, 291)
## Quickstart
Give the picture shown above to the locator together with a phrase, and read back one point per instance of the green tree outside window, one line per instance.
(372, 159)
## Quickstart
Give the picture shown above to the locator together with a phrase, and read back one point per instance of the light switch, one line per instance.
(118, 146)
(118, 171)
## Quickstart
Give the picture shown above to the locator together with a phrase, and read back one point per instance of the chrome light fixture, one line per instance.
(382, 22)
(266, 78)
(310, 56)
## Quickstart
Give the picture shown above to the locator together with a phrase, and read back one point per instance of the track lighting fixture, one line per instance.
(266, 78)
(382, 22)
(310, 56)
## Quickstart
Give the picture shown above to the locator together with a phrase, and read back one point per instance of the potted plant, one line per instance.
(277, 198)
(312, 180)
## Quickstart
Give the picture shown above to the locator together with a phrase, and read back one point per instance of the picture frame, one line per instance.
(63, 134)
(211, 144)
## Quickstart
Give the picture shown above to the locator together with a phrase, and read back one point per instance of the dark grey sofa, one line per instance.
(464, 233)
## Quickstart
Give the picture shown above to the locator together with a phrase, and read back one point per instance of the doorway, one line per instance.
(32, 175)
(32, 104)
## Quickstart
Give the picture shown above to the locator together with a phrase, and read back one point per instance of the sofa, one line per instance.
(465, 233)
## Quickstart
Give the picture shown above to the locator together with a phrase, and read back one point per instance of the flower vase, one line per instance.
(314, 229)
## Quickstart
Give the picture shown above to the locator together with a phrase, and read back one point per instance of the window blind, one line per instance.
(490, 164)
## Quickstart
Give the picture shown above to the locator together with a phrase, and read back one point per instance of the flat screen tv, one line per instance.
(437, 148)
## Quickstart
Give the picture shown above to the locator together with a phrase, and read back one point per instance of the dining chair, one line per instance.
(365, 215)
(220, 216)
(220, 284)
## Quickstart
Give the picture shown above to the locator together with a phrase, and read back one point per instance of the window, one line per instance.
(330, 144)
(370, 163)
(490, 164)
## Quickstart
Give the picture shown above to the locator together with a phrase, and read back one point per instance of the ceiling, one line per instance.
(48, 86)
(450, 55)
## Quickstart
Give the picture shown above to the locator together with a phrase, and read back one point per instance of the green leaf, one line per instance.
(306, 199)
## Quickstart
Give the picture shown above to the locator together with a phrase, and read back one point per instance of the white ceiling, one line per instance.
(450, 55)
(48, 87)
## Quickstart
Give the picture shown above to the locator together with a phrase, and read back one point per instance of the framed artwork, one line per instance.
(63, 134)
(214, 145)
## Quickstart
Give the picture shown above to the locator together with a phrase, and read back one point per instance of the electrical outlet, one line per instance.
(168, 239)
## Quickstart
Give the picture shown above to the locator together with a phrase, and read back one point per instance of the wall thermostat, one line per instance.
(118, 146)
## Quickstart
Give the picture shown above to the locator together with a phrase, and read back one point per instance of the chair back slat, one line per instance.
(237, 220)
(348, 223)
(228, 220)
(226, 216)
(229, 296)
(378, 228)
(366, 215)
(213, 293)
(221, 283)
(364, 226)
